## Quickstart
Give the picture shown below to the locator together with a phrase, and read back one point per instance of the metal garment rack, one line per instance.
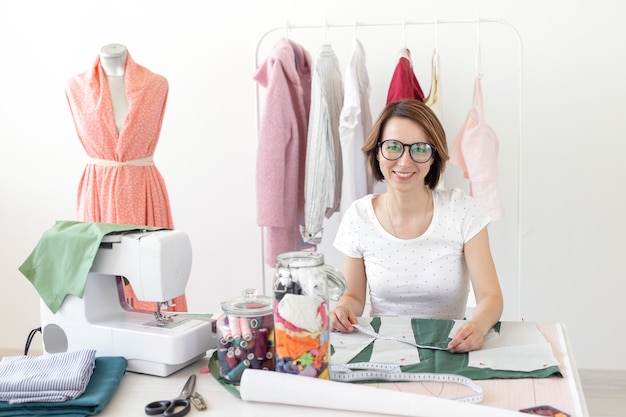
(478, 21)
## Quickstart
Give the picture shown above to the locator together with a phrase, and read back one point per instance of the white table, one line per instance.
(565, 393)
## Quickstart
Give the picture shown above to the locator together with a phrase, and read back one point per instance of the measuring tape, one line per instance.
(396, 339)
(369, 371)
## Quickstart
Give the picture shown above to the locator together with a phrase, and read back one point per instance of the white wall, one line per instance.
(572, 136)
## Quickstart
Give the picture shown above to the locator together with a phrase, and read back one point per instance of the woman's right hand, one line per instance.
(341, 319)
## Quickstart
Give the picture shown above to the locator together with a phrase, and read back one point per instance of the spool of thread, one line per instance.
(240, 354)
(231, 359)
(246, 332)
(252, 343)
(240, 343)
(223, 329)
(256, 322)
(235, 373)
(235, 327)
(222, 361)
(260, 348)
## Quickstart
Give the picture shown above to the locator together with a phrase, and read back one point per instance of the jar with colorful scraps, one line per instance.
(303, 286)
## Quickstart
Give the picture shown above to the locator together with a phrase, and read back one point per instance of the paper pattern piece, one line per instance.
(386, 351)
(518, 346)
(511, 349)
(348, 345)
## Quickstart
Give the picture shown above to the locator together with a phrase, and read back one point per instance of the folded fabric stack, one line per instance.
(101, 387)
(49, 378)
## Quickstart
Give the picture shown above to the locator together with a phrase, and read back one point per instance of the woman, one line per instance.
(415, 247)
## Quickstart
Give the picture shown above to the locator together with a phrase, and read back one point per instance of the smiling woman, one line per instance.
(416, 248)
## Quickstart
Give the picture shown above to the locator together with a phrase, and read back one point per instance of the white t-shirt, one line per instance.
(424, 277)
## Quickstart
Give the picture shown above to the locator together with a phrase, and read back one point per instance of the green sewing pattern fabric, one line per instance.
(60, 262)
(432, 332)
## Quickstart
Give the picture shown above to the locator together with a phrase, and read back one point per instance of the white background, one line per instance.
(569, 267)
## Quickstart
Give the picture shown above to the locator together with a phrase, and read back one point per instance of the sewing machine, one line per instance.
(157, 265)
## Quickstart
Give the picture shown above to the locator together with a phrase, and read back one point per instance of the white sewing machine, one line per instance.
(157, 264)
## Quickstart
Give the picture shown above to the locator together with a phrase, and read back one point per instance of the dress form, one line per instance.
(113, 62)
(113, 58)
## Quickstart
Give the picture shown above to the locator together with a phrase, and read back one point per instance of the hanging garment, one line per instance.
(324, 169)
(355, 123)
(286, 74)
(404, 84)
(120, 183)
(433, 101)
(434, 96)
(475, 151)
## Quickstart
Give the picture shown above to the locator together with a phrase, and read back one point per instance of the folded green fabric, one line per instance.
(60, 262)
(103, 383)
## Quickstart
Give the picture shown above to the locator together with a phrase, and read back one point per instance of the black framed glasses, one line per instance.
(420, 152)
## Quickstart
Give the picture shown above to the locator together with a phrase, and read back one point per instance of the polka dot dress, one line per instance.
(120, 183)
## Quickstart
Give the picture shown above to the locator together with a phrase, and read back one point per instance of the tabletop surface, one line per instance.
(564, 393)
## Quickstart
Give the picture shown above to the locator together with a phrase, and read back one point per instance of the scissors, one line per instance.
(169, 408)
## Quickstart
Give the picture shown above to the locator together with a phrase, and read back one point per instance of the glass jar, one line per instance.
(303, 286)
(245, 335)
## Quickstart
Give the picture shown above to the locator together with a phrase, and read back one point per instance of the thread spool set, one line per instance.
(245, 335)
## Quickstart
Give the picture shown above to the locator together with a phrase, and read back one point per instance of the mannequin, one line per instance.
(117, 107)
(113, 62)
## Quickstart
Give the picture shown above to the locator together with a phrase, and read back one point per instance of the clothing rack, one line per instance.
(403, 24)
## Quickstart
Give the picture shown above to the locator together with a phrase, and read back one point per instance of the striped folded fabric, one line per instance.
(53, 377)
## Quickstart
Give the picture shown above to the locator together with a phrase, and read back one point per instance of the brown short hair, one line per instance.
(420, 113)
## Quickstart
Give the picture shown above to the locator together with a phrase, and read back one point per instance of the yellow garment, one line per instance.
(434, 96)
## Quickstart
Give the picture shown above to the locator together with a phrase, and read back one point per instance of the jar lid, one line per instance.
(249, 304)
(299, 259)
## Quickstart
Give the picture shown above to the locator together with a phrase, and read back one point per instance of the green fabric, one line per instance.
(214, 367)
(103, 383)
(429, 332)
(434, 332)
(60, 262)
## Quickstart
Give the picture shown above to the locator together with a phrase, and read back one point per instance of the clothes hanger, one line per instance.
(404, 51)
(436, 33)
(435, 59)
(478, 57)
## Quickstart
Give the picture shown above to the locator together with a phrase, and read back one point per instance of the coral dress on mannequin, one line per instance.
(120, 183)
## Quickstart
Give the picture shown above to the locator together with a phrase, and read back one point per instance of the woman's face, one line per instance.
(403, 173)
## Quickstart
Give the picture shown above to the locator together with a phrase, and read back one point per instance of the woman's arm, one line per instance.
(352, 303)
(489, 302)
